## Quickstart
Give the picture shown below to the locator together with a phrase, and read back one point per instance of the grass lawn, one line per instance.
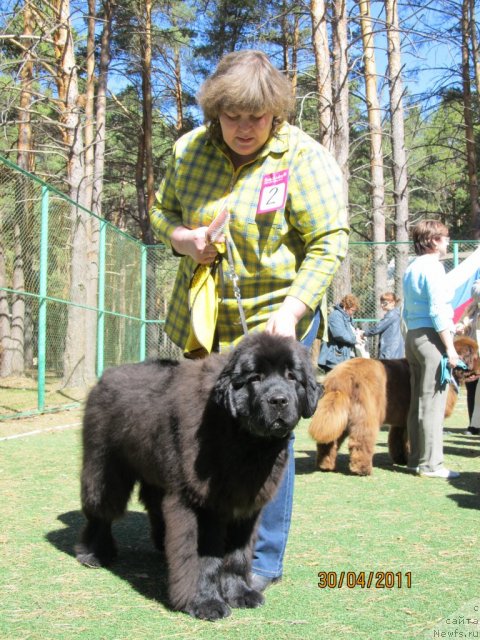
(393, 523)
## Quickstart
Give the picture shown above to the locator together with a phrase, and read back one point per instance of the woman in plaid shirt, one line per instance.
(287, 228)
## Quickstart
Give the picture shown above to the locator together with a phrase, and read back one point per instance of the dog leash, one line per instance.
(216, 227)
(446, 373)
(236, 289)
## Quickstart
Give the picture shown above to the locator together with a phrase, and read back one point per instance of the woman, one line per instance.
(287, 228)
(342, 336)
(391, 344)
(428, 315)
(469, 325)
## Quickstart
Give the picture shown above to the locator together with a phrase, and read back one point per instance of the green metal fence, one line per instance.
(123, 320)
(117, 311)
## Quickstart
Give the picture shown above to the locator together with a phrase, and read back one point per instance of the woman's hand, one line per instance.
(453, 357)
(284, 321)
(194, 243)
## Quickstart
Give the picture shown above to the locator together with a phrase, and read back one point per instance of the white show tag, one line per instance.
(273, 193)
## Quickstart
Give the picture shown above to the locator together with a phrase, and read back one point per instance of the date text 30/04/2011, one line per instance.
(364, 579)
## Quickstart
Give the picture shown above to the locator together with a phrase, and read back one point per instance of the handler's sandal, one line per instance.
(440, 473)
(260, 583)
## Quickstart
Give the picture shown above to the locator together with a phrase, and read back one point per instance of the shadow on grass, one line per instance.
(468, 481)
(138, 562)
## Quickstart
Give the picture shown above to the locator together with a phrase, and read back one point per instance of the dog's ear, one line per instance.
(313, 391)
(223, 393)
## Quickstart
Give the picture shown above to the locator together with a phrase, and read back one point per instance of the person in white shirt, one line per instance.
(428, 315)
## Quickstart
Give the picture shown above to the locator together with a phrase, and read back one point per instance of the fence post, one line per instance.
(455, 254)
(101, 298)
(143, 304)
(42, 309)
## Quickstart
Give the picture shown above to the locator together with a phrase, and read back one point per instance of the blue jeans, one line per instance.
(277, 514)
(275, 524)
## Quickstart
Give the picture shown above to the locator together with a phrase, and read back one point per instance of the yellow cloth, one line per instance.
(203, 308)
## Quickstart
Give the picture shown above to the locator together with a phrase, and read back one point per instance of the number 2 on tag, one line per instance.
(273, 193)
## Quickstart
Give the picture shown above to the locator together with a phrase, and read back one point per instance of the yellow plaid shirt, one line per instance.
(294, 250)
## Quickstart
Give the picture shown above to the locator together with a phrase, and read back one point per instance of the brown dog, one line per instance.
(362, 394)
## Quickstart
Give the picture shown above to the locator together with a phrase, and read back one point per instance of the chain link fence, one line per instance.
(78, 295)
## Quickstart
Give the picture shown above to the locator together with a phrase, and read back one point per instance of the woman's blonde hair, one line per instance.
(246, 81)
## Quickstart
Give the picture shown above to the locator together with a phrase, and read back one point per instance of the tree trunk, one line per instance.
(468, 119)
(89, 108)
(376, 154)
(91, 221)
(321, 52)
(75, 372)
(179, 125)
(148, 106)
(400, 183)
(5, 339)
(342, 280)
(98, 168)
(19, 337)
(290, 39)
(295, 45)
(18, 307)
(101, 108)
(474, 39)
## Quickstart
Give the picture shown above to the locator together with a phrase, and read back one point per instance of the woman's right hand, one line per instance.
(453, 357)
(193, 243)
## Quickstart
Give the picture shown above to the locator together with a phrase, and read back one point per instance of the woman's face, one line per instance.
(387, 305)
(440, 244)
(245, 133)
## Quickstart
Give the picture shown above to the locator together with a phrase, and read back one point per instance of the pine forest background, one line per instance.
(94, 94)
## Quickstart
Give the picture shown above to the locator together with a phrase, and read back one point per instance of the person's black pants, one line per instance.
(471, 387)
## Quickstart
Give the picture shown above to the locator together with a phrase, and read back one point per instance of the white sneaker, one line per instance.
(440, 473)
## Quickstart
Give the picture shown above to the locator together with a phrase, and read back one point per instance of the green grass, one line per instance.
(391, 521)
(19, 395)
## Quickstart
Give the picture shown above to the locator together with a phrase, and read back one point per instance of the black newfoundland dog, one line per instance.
(207, 441)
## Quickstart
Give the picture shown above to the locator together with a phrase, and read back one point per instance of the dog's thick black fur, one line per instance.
(207, 441)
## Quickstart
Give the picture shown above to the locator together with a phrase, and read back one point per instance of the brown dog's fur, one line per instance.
(362, 394)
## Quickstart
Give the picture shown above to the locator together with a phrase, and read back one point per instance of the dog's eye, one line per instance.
(255, 377)
(290, 375)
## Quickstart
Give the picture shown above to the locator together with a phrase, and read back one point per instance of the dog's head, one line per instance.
(467, 349)
(268, 384)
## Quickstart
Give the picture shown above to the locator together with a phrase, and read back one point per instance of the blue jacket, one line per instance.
(341, 339)
(391, 339)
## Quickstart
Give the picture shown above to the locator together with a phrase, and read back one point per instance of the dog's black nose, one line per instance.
(278, 399)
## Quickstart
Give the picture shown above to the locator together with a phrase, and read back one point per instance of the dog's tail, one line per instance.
(452, 395)
(331, 417)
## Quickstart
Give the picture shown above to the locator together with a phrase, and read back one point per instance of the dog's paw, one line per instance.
(90, 558)
(239, 594)
(361, 470)
(247, 599)
(326, 467)
(212, 609)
